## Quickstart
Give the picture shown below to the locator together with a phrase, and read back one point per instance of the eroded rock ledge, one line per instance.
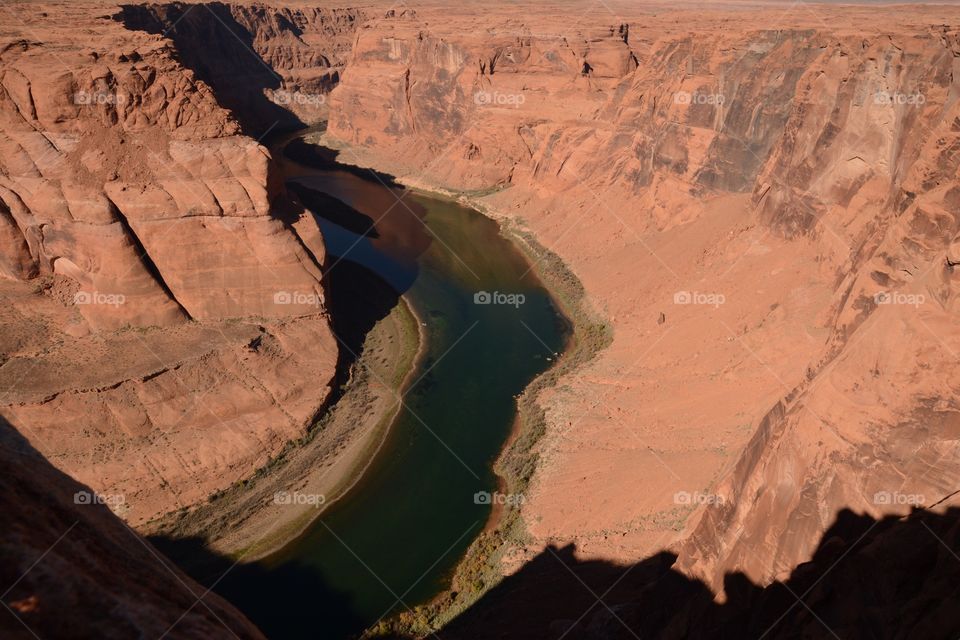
(165, 326)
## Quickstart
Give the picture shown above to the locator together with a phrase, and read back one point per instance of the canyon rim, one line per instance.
(228, 244)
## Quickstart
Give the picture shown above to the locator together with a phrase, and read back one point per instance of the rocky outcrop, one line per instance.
(765, 214)
(73, 569)
(874, 425)
(166, 332)
(274, 65)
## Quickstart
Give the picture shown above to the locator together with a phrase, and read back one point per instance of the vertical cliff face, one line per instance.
(272, 66)
(782, 190)
(873, 426)
(470, 96)
(134, 145)
(165, 327)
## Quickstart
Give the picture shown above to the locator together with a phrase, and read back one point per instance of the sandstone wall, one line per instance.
(792, 170)
(165, 327)
(272, 65)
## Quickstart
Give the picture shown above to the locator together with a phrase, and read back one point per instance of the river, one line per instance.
(490, 327)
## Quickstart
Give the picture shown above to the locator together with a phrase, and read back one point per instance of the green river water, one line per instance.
(396, 538)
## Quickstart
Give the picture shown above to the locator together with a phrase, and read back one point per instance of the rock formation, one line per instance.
(165, 331)
(270, 65)
(72, 569)
(784, 184)
(761, 201)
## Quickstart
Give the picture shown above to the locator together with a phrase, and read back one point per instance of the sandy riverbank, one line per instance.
(247, 521)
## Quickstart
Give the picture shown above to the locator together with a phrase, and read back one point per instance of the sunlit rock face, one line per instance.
(166, 330)
(781, 186)
(761, 205)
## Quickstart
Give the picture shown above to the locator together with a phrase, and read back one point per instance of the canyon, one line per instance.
(757, 202)
(785, 204)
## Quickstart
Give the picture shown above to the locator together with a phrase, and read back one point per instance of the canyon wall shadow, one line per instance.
(335, 210)
(70, 568)
(220, 51)
(363, 277)
(896, 577)
(357, 300)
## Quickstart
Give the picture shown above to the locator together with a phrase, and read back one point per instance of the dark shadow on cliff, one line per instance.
(70, 568)
(220, 51)
(889, 578)
(357, 299)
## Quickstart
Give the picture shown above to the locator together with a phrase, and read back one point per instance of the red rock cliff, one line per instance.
(781, 186)
(165, 329)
